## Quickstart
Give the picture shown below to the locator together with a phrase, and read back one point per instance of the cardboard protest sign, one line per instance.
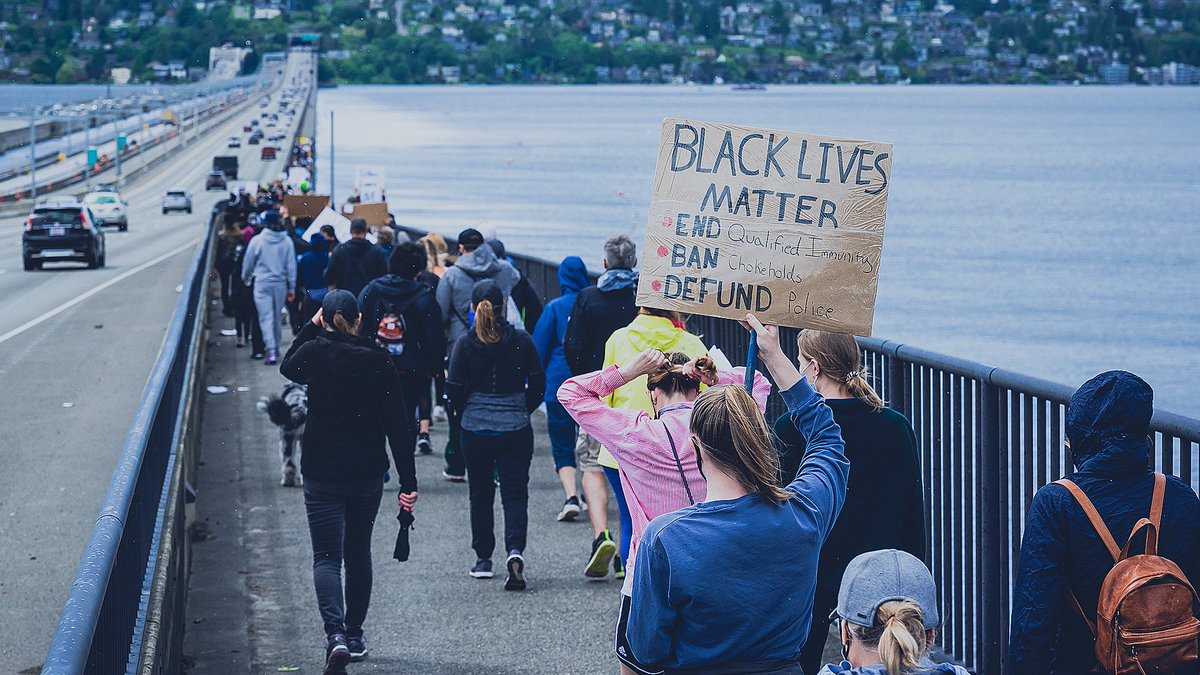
(375, 214)
(786, 225)
(305, 206)
(339, 223)
(327, 216)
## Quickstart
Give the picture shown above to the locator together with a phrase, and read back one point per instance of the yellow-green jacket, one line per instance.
(644, 332)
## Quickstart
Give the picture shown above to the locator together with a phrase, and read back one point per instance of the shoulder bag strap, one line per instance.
(1156, 509)
(1101, 529)
(679, 465)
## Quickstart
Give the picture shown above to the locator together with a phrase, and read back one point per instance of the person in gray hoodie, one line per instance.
(270, 262)
(476, 262)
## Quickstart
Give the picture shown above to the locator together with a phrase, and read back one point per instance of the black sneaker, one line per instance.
(570, 510)
(257, 355)
(337, 655)
(482, 569)
(603, 550)
(618, 567)
(515, 581)
(424, 446)
(358, 648)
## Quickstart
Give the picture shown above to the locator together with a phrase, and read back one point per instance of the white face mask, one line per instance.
(810, 372)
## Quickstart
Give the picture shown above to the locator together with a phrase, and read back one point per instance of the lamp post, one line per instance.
(33, 153)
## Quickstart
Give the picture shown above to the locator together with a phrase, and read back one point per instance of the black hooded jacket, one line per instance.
(511, 366)
(353, 395)
(1107, 424)
(354, 264)
(425, 341)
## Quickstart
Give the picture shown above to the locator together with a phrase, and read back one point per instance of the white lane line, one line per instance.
(108, 284)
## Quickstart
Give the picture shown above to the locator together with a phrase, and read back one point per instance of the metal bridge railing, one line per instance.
(121, 614)
(989, 438)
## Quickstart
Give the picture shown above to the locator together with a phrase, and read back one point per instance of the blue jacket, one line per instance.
(729, 581)
(552, 325)
(312, 265)
(1107, 424)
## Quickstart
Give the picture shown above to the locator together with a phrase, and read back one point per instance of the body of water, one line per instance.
(1053, 231)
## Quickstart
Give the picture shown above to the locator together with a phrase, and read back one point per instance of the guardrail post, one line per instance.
(994, 589)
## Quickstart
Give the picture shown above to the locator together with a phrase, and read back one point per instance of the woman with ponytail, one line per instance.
(726, 586)
(884, 506)
(888, 615)
(495, 381)
(354, 394)
(656, 329)
(655, 452)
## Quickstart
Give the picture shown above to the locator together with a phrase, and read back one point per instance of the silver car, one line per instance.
(177, 199)
(108, 208)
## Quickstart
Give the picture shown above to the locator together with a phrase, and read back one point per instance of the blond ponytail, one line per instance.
(840, 359)
(728, 423)
(486, 328)
(899, 636)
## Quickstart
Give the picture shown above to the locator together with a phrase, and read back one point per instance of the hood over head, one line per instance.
(481, 262)
(1108, 423)
(572, 275)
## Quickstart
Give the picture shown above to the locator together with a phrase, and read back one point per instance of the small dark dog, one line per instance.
(288, 411)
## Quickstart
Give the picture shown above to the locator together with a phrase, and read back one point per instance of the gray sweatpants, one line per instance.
(270, 299)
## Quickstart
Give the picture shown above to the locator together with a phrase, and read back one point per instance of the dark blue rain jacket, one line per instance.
(1107, 424)
(552, 325)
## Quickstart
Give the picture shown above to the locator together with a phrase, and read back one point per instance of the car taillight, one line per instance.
(29, 224)
(83, 220)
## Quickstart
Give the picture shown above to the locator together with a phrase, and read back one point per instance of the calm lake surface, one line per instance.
(1053, 231)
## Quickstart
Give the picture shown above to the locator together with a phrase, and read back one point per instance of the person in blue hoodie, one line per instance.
(403, 317)
(548, 338)
(1108, 428)
(310, 272)
(727, 585)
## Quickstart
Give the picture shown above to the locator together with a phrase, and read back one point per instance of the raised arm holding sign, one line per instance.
(783, 224)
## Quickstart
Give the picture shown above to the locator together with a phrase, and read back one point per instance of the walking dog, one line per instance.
(288, 411)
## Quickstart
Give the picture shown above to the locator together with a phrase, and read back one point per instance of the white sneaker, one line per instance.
(439, 413)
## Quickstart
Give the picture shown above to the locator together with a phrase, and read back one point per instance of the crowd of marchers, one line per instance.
(740, 539)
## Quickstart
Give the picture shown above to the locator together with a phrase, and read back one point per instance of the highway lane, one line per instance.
(74, 374)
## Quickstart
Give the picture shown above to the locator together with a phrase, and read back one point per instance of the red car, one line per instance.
(268, 153)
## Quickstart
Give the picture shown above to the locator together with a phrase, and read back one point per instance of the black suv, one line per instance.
(62, 229)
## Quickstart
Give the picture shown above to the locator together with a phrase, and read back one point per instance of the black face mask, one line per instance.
(699, 461)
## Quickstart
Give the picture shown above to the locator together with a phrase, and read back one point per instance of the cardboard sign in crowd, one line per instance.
(785, 225)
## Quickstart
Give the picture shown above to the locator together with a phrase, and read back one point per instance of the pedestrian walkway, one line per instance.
(252, 608)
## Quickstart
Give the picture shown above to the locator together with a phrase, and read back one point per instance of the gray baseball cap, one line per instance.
(876, 577)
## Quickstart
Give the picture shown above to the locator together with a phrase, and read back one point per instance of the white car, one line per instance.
(108, 208)
(176, 199)
(235, 141)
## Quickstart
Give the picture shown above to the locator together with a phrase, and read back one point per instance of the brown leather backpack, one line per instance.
(1146, 616)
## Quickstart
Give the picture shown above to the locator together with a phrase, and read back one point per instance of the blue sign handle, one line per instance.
(751, 362)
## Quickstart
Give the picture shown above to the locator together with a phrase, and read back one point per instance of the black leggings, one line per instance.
(507, 454)
(341, 516)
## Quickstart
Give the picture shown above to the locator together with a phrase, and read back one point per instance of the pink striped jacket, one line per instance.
(641, 444)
